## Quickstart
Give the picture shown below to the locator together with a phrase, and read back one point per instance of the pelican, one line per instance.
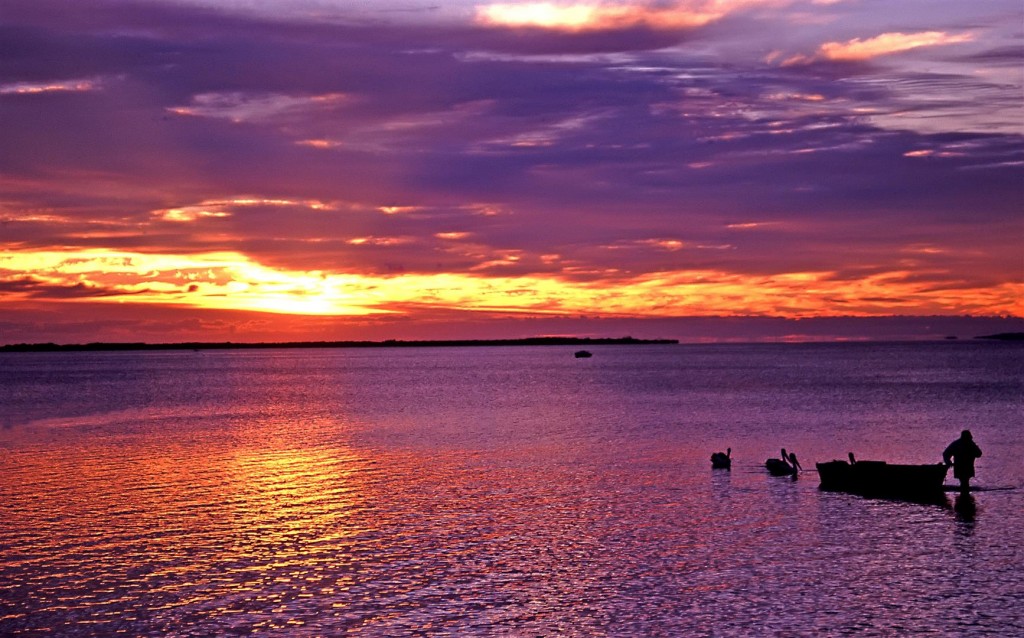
(795, 463)
(722, 460)
(785, 466)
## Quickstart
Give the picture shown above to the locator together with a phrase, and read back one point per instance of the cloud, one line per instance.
(32, 288)
(234, 281)
(1012, 56)
(602, 16)
(242, 107)
(219, 208)
(888, 43)
(301, 162)
(857, 49)
(31, 88)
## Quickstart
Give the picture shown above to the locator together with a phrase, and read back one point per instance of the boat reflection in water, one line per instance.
(918, 483)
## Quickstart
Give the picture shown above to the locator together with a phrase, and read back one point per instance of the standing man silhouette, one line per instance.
(961, 454)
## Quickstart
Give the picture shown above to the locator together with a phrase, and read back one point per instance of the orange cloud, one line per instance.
(223, 207)
(398, 210)
(859, 49)
(233, 281)
(453, 235)
(670, 245)
(887, 43)
(379, 241)
(319, 143)
(597, 16)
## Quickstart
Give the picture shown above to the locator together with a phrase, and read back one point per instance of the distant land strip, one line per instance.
(1005, 336)
(390, 343)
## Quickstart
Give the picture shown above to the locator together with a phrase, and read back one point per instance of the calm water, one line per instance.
(503, 491)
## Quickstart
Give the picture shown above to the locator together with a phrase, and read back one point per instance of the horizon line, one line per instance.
(422, 343)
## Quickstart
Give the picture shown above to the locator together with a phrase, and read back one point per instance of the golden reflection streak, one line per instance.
(190, 528)
(233, 281)
(293, 490)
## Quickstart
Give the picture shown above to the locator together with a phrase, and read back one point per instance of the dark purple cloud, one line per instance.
(32, 288)
(575, 153)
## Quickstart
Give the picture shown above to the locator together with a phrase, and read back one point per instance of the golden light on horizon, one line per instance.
(233, 281)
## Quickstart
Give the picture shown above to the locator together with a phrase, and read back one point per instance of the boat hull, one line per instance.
(878, 478)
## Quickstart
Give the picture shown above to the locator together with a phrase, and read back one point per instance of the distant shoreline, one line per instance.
(390, 343)
(1005, 336)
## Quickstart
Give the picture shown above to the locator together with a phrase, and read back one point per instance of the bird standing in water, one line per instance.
(722, 460)
(788, 465)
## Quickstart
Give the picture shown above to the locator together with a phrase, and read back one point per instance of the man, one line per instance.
(961, 454)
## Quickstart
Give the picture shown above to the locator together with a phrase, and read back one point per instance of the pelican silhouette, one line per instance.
(785, 466)
(722, 460)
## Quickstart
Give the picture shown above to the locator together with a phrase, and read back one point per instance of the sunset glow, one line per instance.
(601, 16)
(232, 281)
(413, 165)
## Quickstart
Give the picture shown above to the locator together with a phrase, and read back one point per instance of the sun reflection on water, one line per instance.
(130, 533)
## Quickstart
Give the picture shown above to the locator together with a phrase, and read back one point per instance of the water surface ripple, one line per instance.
(502, 491)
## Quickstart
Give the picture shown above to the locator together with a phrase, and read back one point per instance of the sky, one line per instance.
(272, 170)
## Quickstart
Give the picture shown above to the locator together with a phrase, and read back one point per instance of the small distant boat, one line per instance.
(878, 478)
(582, 354)
(785, 466)
(722, 460)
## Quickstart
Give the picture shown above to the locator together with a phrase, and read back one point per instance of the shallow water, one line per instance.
(503, 491)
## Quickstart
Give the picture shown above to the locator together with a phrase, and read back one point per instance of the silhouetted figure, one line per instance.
(961, 454)
(722, 460)
(785, 466)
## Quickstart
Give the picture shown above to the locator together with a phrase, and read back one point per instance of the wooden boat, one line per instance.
(582, 354)
(878, 478)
